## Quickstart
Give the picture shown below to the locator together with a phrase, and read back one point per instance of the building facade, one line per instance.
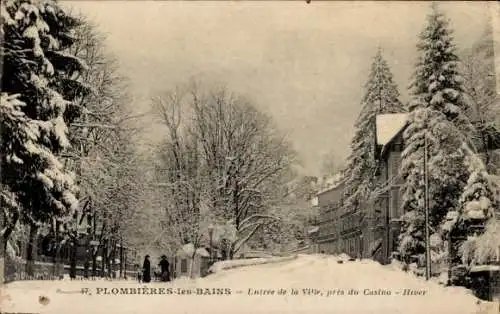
(383, 211)
(373, 231)
(328, 238)
(339, 230)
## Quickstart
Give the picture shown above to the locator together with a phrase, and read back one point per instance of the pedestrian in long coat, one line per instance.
(146, 270)
(165, 269)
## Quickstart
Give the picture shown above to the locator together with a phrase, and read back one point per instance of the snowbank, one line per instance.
(343, 257)
(320, 283)
(224, 265)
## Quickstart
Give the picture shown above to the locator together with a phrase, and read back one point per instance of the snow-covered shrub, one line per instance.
(479, 205)
(450, 221)
(411, 240)
(483, 248)
(466, 250)
(224, 231)
(459, 276)
(479, 199)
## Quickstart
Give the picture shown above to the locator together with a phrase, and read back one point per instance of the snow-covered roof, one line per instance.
(334, 179)
(388, 125)
(480, 268)
(188, 250)
(314, 201)
(332, 183)
(332, 187)
(313, 229)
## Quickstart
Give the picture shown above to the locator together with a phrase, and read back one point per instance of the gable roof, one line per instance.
(332, 183)
(388, 126)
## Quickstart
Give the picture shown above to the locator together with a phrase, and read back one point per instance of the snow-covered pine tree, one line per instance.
(436, 112)
(437, 82)
(13, 121)
(381, 96)
(36, 105)
(478, 214)
(412, 237)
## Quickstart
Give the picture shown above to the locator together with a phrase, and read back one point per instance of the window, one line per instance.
(382, 201)
(184, 265)
(395, 164)
(383, 168)
(395, 203)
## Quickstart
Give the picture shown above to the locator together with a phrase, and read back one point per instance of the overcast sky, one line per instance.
(305, 64)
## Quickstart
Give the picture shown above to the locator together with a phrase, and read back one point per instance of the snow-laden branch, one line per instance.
(256, 216)
(240, 242)
(93, 125)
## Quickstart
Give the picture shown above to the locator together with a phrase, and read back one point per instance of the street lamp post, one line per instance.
(94, 247)
(450, 258)
(361, 246)
(210, 234)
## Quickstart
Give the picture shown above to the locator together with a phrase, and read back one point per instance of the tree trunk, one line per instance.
(111, 267)
(104, 261)
(88, 248)
(72, 258)
(231, 251)
(59, 260)
(55, 249)
(54, 259)
(86, 264)
(112, 261)
(121, 257)
(191, 270)
(94, 264)
(30, 250)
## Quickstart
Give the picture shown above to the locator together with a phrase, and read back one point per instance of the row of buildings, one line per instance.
(373, 231)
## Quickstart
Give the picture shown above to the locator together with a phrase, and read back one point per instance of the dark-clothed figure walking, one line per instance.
(165, 269)
(146, 270)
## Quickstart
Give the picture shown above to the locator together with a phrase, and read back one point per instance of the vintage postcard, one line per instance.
(301, 157)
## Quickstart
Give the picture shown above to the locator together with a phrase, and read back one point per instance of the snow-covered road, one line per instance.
(321, 284)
